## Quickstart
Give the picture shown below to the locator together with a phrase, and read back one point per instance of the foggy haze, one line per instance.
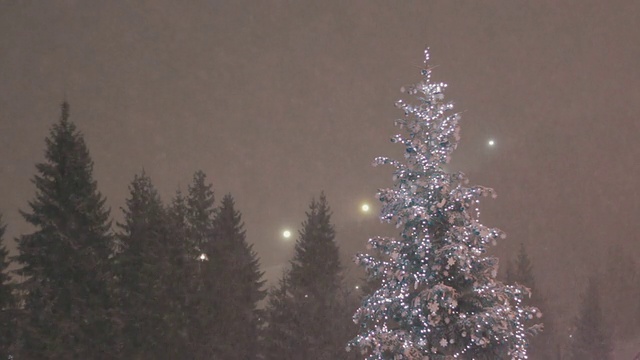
(279, 100)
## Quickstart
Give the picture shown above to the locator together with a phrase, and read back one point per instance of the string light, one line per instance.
(438, 296)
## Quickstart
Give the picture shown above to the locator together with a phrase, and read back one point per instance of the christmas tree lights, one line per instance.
(439, 297)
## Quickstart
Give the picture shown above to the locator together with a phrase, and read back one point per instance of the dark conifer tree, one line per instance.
(147, 268)
(239, 283)
(521, 270)
(544, 345)
(179, 231)
(315, 285)
(200, 211)
(6, 286)
(7, 303)
(182, 274)
(592, 338)
(179, 258)
(65, 260)
(316, 252)
(279, 336)
(177, 212)
(201, 311)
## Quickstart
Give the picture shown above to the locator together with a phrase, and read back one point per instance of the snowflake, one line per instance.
(433, 307)
(444, 342)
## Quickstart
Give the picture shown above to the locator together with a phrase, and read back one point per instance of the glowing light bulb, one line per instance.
(286, 234)
(491, 142)
(365, 208)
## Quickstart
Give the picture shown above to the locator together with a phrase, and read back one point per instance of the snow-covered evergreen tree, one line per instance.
(439, 297)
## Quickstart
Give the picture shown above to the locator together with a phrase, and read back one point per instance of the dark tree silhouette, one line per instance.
(148, 269)
(65, 260)
(239, 285)
(592, 338)
(307, 314)
(202, 310)
(7, 300)
(279, 336)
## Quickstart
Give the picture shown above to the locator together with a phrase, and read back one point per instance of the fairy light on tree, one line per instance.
(439, 297)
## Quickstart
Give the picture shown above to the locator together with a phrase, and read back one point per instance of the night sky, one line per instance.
(279, 100)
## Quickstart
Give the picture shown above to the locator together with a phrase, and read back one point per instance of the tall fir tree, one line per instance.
(315, 268)
(279, 334)
(200, 211)
(179, 258)
(7, 300)
(65, 260)
(239, 285)
(592, 338)
(182, 255)
(202, 311)
(313, 293)
(148, 273)
(6, 285)
(439, 297)
(520, 271)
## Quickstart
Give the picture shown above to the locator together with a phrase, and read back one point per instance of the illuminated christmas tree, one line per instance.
(439, 297)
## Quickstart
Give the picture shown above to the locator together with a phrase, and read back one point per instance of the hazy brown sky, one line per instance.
(278, 100)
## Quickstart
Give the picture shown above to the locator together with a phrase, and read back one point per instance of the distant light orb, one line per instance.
(365, 208)
(286, 234)
(491, 142)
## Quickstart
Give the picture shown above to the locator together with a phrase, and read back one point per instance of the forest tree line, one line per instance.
(171, 281)
(179, 280)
